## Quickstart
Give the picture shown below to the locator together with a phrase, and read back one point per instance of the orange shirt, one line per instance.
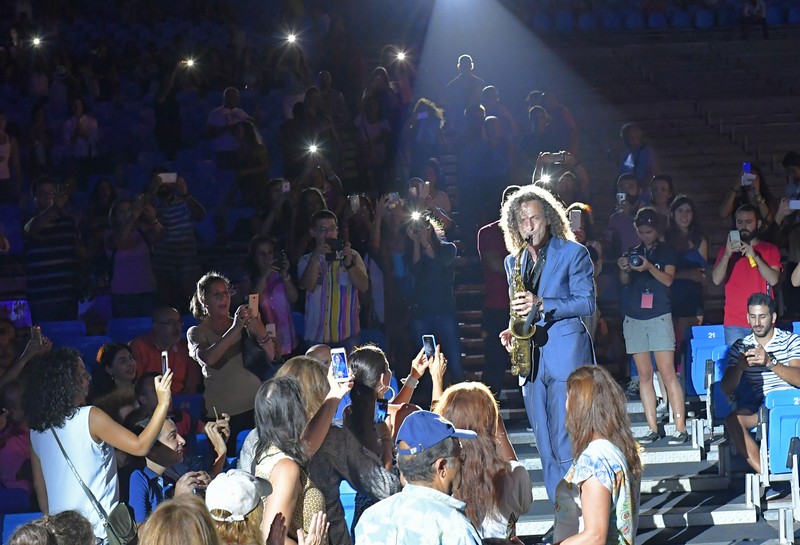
(185, 371)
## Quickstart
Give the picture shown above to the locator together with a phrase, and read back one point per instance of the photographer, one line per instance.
(646, 273)
(333, 275)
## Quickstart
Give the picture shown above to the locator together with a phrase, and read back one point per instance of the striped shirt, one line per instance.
(784, 346)
(332, 308)
(51, 263)
(178, 246)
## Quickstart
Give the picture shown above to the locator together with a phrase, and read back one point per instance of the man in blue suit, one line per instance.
(562, 289)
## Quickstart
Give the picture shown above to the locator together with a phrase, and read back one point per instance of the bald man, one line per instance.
(321, 353)
(166, 334)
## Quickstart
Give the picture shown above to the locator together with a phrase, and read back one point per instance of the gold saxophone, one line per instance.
(522, 328)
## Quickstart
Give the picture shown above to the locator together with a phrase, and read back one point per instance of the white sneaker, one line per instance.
(662, 410)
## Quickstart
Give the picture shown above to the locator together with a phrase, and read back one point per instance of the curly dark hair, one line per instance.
(56, 379)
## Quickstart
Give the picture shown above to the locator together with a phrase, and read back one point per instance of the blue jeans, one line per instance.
(445, 328)
(734, 332)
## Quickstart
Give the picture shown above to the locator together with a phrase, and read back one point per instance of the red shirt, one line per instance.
(742, 281)
(185, 371)
(490, 239)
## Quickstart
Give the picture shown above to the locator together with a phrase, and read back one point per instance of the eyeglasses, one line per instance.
(326, 229)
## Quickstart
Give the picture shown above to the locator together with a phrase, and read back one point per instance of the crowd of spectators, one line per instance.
(326, 186)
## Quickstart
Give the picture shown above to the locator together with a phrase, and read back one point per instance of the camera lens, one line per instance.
(635, 260)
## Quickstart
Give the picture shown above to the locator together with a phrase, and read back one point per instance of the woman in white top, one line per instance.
(494, 485)
(54, 405)
(600, 492)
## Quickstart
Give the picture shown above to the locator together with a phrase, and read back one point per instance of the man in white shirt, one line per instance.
(220, 126)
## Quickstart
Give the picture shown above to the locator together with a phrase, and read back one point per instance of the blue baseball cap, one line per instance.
(423, 429)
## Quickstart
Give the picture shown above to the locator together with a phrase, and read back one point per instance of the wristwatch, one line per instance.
(772, 362)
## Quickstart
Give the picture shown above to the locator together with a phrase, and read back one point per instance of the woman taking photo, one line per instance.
(359, 452)
(494, 485)
(686, 293)
(55, 406)
(268, 276)
(431, 262)
(116, 372)
(216, 344)
(601, 489)
(647, 272)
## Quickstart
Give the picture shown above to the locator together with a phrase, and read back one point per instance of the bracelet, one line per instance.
(155, 222)
(410, 382)
(350, 266)
(265, 340)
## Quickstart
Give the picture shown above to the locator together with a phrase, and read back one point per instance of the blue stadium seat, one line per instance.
(124, 329)
(704, 19)
(775, 15)
(784, 423)
(657, 21)
(681, 19)
(299, 324)
(793, 17)
(14, 500)
(63, 330)
(13, 521)
(634, 20)
(88, 347)
(347, 495)
(705, 338)
(11, 227)
(611, 21)
(587, 21)
(240, 440)
(564, 21)
(190, 403)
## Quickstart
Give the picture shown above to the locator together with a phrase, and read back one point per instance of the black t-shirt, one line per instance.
(641, 283)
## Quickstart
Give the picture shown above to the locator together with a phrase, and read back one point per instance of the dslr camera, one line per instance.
(635, 260)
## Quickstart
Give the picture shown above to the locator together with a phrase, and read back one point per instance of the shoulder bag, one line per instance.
(120, 526)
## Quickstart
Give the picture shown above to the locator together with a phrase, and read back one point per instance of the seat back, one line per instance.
(784, 424)
(705, 338)
(124, 329)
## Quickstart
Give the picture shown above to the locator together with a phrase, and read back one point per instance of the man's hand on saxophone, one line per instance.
(524, 302)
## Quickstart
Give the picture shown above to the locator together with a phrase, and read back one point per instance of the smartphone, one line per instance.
(339, 363)
(425, 190)
(746, 167)
(271, 330)
(575, 219)
(381, 410)
(252, 303)
(336, 244)
(164, 362)
(794, 204)
(747, 178)
(735, 236)
(36, 334)
(355, 202)
(429, 344)
(286, 187)
(621, 198)
(168, 177)
(392, 199)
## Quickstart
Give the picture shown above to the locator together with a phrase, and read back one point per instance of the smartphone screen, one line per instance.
(164, 362)
(620, 198)
(168, 177)
(575, 219)
(339, 363)
(36, 334)
(270, 330)
(252, 303)
(381, 410)
(735, 236)
(429, 344)
(355, 202)
(286, 187)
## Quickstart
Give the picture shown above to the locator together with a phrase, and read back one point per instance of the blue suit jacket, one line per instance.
(567, 290)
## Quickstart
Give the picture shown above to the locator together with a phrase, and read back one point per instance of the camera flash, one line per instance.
(189, 62)
(401, 56)
(291, 38)
(415, 216)
(312, 148)
(545, 178)
(37, 42)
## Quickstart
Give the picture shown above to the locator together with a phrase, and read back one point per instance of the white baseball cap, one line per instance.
(236, 492)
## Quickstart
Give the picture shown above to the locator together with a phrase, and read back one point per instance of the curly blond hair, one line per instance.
(553, 211)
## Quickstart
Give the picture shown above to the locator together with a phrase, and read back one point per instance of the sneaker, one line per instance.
(632, 390)
(650, 437)
(678, 438)
(775, 492)
(662, 411)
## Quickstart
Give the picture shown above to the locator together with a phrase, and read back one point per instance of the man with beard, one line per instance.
(745, 265)
(767, 359)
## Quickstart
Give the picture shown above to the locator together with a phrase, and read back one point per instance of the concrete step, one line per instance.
(652, 455)
(676, 510)
(657, 478)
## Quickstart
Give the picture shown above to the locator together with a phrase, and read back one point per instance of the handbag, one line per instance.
(120, 526)
(255, 359)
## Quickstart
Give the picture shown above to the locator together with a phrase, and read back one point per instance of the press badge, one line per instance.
(647, 300)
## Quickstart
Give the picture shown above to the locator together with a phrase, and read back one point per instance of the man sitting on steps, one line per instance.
(768, 359)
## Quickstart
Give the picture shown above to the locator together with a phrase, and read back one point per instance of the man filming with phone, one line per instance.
(745, 265)
(332, 275)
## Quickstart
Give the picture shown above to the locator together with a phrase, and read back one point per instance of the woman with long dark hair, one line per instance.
(686, 293)
(601, 489)
(494, 485)
(54, 402)
(116, 371)
(268, 276)
(359, 452)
